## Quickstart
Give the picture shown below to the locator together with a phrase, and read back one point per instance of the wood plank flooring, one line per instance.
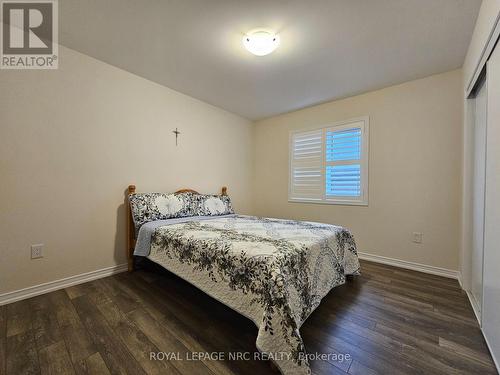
(386, 321)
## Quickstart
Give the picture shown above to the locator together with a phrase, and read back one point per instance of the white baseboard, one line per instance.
(474, 306)
(451, 274)
(36, 290)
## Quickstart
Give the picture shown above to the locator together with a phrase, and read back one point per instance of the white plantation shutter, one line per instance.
(330, 165)
(306, 169)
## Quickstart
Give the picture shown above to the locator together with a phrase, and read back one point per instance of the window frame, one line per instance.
(364, 161)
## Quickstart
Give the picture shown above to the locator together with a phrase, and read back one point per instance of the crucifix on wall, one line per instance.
(176, 132)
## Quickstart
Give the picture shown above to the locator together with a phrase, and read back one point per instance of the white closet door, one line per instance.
(478, 189)
(491, 279)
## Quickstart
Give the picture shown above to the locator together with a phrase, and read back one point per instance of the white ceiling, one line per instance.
(329, 48)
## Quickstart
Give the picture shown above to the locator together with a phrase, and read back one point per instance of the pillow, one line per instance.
(213, 205)
(148, 207)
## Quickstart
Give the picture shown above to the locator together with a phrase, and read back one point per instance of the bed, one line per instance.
(274, 272)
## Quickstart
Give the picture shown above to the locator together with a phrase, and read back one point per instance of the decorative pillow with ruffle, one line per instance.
(148, 207)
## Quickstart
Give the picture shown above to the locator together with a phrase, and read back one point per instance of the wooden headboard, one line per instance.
(130, 222)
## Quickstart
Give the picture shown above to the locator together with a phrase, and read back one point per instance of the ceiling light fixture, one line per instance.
(261, 43)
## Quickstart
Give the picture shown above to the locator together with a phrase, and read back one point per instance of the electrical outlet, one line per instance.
(417, 237)
(37, 251)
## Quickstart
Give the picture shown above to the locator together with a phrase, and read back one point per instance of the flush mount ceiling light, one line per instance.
(261, 43)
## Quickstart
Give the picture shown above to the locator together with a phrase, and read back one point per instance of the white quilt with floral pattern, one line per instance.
(274, 272)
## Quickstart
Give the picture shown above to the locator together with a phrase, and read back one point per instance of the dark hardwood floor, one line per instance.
(386, 321)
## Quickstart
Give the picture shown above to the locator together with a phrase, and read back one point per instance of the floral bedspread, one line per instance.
(274, 272)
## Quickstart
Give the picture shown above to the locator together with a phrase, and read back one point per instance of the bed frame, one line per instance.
(130, 223)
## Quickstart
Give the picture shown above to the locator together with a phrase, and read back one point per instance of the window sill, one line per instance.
(330, 202)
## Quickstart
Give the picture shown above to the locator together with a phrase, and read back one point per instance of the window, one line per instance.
(330, 165)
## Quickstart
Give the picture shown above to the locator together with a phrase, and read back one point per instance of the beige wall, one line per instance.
(415, 169)
(71, 140)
